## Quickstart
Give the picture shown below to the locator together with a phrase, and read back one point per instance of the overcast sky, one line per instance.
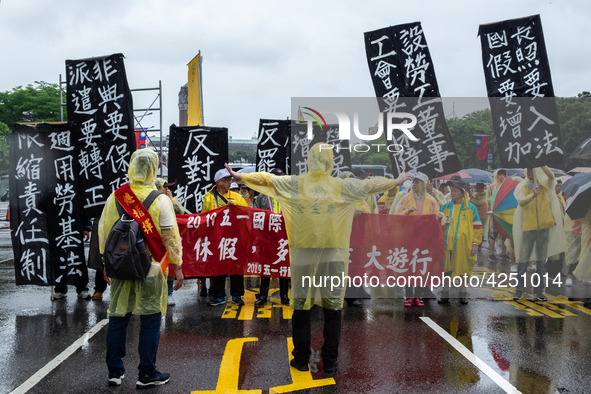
(259, 54)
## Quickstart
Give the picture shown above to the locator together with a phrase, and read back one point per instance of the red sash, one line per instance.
(134, 208)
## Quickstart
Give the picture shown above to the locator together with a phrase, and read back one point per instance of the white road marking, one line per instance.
(50, 366)
(484, 367)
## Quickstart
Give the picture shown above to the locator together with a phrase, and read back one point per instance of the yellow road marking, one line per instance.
(230, 370)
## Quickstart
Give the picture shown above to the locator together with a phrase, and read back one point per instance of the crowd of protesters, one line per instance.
(543, 239)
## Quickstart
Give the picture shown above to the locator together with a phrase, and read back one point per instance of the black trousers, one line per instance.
(302, 336)
(236, 286)
(264, 289)
(99, 282)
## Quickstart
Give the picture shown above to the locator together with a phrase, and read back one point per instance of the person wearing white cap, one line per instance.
(219, 196)
(417, 202)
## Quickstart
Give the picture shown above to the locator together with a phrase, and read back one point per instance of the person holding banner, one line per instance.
(538, 230)
(163, 187)
(417, 202)
(270, 204)
(145, 297)
(385, 202)
(318, 210)
(463, 234)
(219, 196)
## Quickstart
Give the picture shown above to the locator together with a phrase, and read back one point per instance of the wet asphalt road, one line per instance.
(385, 348)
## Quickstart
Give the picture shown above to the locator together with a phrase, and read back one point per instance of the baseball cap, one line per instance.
(223, 173)
(457, 181)
(234, 185)
(277, 171)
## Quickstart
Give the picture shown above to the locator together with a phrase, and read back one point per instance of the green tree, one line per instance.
(462, 131)
(4, 148)
(39, 103)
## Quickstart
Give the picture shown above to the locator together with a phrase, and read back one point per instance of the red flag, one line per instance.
(482, 146)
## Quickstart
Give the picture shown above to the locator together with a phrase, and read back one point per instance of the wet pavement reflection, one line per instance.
(385, 347)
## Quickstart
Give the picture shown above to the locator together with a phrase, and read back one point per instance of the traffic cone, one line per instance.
(8, 212)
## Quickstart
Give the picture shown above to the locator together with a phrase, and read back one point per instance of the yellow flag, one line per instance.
(195, 109)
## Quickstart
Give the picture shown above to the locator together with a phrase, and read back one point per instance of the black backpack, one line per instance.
(126, 256)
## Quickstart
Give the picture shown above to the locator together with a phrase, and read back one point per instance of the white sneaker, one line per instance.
(85, 295)
(568, 282)
(171, 300)
(532, 268)
(58, 295)
(514, 268)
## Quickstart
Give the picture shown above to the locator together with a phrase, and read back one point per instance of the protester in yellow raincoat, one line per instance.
(433, 192)
(220, 195)
(463, 234)
(385, 202)
(538, 231)
(417, 202)
(146, 297)
(318, 210)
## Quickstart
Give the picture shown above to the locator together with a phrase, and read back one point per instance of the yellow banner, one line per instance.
(195, 109)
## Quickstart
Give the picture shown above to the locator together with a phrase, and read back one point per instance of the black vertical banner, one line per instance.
(520, 92)
(300, 147)
(196, 153)
(273, 145)
(47, 233)
(404, 80)
(100, 104)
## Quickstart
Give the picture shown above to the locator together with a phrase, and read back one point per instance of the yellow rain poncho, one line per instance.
(318, 211)
(464, 230)
(583, 270)
(541, 212)
(428, 203)
(148, 295)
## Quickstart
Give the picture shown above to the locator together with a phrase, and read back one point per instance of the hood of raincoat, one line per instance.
(143, 167)
(320, 160)
(423, 179)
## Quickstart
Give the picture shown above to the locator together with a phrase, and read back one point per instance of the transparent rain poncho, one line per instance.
(583, 270)
(430, 206)
(148, 295)
(318, 211)
(547, 216)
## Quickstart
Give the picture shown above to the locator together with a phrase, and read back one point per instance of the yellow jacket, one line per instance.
(211, 202)
(536, 210)
(464, 230)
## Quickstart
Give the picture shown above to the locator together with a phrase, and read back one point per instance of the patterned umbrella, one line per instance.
(503, 205)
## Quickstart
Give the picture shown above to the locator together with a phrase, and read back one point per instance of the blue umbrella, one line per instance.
(579, 204)
(478, 176)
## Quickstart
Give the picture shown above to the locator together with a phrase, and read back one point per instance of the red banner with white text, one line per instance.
(248, 241)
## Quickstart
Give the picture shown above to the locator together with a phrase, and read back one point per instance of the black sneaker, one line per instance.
(217, 301)
(506, 257)
(518, 295)
(203, 292)
(115, 378)
(492, 257)
(444, 298)
(237, 300)
(298, 366)
(154, 379)
(285, 300)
